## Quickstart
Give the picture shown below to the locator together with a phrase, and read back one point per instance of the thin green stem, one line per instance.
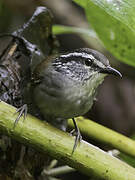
(105, 135)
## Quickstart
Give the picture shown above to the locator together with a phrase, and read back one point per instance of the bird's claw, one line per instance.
(22, 112)
(76, 132)
(78, 138)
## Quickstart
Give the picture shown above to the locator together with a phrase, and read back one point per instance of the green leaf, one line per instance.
(114, 22)
(81, 2)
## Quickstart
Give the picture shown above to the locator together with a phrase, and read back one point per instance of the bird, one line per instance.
(64, 86)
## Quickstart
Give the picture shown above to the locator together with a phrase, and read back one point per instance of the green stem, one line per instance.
(107, 136)
(87, 158)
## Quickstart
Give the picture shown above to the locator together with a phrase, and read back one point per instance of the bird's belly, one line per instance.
(63, 102)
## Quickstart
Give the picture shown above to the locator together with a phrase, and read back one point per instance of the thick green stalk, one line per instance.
(103, 134)
(86, 158)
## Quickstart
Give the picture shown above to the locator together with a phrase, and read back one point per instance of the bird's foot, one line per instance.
(22, 112)
(76, 132)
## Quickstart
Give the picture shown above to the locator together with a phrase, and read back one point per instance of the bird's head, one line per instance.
(83, 64)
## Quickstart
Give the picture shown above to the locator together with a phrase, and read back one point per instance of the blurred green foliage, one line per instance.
(88, 35)
(114, 22)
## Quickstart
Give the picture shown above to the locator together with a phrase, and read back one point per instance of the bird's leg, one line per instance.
(22, 112)
(77, 134)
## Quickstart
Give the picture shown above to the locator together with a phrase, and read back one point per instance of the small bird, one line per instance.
(65, 86)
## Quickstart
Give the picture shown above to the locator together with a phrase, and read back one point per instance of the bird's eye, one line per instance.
(88, 62)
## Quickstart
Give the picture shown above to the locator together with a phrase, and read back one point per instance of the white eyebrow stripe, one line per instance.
(84, 55)
(76, 54)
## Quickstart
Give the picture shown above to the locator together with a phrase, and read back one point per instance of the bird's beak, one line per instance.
(110, 70)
